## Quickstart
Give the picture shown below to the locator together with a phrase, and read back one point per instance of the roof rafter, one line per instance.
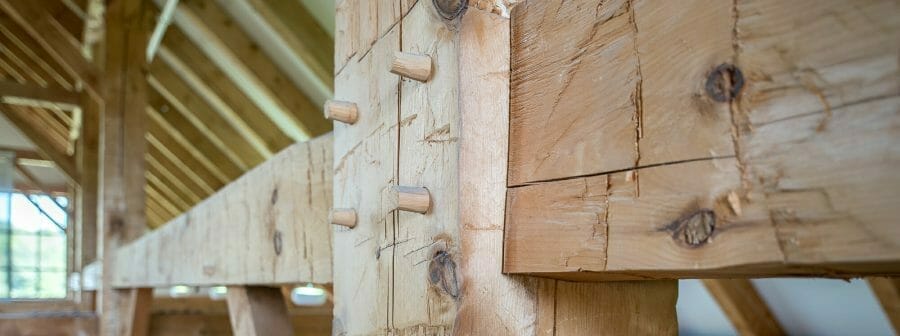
(27, 121)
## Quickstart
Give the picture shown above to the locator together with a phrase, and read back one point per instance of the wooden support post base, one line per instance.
(258, 311)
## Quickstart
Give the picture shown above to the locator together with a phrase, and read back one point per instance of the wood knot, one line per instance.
(693, 229)
(450, 9)
(276, 241)
(274, 195)
(724, 83)
(442, 273)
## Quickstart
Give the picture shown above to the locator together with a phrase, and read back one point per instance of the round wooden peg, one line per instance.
(413, 66)
(345, 112)
(343, 217)
(413, 199)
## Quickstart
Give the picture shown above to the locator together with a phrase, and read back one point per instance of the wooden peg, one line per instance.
(411, 65)
(343, 217)
(345, 112)
(415, 199)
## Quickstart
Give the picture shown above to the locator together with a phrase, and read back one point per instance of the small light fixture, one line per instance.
(218, 292)
(308, 295)
(180, 291)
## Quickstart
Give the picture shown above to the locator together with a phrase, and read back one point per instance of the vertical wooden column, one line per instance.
(123, 312)
(258, 311)
(438, 271)
(87, 195)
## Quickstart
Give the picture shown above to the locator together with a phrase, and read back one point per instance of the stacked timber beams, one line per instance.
(123, 312)
(698, 139)
(267, 227)
(438, 272)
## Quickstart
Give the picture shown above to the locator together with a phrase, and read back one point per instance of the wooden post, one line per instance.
(887, 290)
(123, 147)
(438, 271)
(258, 311)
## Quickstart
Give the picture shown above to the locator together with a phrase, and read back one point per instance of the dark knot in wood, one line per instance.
(274, 195)
(724, 83)
(450, 9)
(276, 240)
(693, 229)
(442, 273)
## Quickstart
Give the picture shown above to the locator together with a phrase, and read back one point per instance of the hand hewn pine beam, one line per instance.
(719, 162)
(29, 124)
(276, 213)
(746, 310)
(123, 133)
(55, 39)
(887, 290)
(33, 92)
(448, 135)
(258, 311)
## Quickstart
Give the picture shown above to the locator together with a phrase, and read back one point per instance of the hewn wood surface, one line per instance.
(74, 324)
(270, 226)
(705, 139)
(743, 306)
(438, 272)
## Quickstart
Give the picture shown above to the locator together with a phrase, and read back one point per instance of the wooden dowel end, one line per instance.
(345, 112)
(414, 66)
(414, 199)
(343, 217)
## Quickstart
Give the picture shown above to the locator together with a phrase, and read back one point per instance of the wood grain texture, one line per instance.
(887, 291)
(789, 174)
(365, 170)
(743, 306)
(35, 325)
(272, 227)
(258, 311)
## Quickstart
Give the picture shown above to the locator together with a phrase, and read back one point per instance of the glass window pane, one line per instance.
(4, 252)
(24, 285)
(4, 286)
(53, 253)
(53, 285)
(25, 250)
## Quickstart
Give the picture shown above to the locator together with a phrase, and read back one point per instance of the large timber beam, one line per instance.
(709, 161)
(36, 17)
(270, 226)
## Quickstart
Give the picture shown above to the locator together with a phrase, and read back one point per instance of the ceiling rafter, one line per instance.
(35, 17)
(28, 122)
(171, 129)
(177, 48)
(211, 29)
(192, 107)
(744, 307)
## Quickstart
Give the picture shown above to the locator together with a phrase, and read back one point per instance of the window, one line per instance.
(32, 246)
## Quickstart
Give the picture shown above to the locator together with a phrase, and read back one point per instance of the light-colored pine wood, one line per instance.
(345, 112)
(36, 324)
(412, 65)
(431, 273)
(887, 291)
(140, 303)
(272, 225)
(258, 311)
(771, 181)
(365, 169)
(746, 310)
(413, 199)
(343, 217)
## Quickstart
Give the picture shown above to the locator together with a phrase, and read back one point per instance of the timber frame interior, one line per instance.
(450, 166)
